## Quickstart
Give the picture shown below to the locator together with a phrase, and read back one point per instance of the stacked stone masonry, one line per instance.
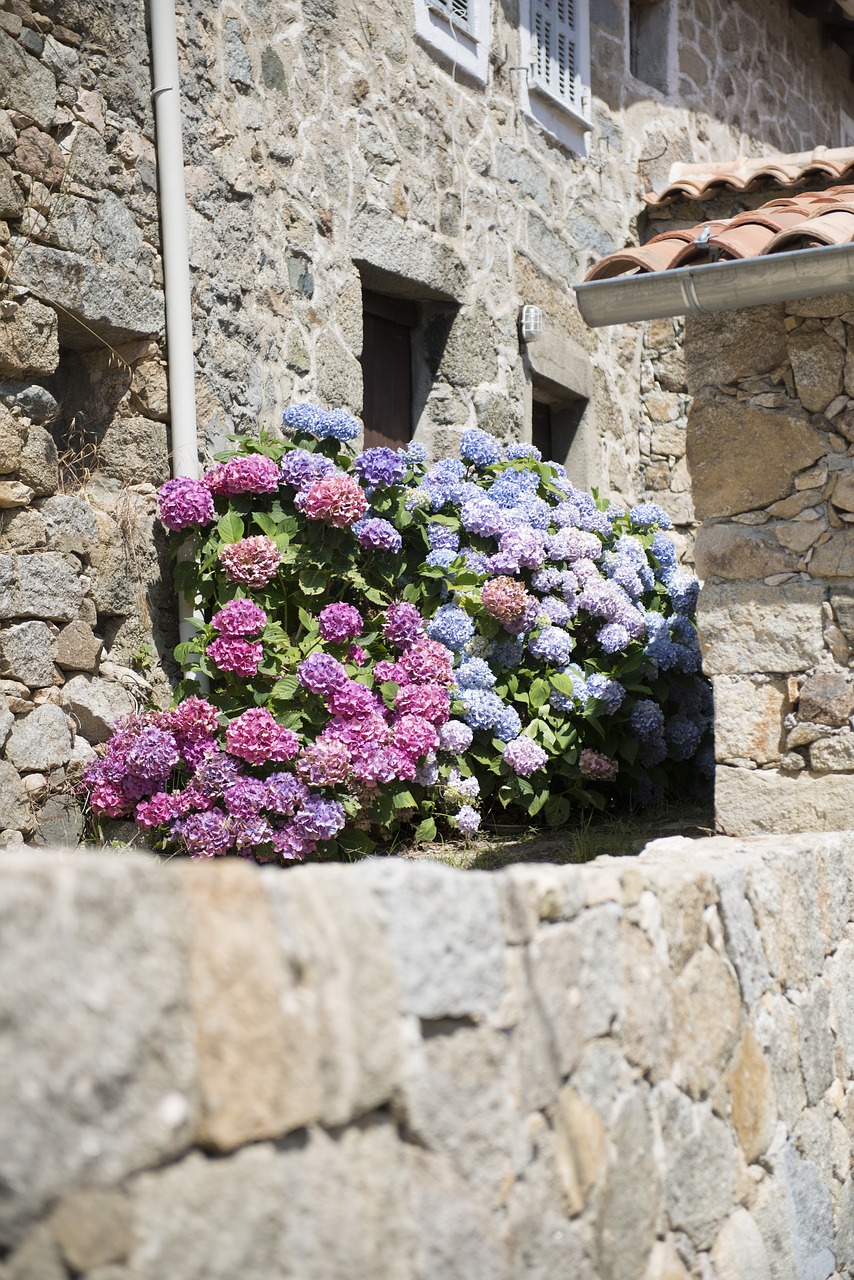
(639, 1069)
(770, 449)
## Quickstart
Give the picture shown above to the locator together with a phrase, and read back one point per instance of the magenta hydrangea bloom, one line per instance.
(185, 504)
(107, 800)
(524, 756)
(192, 720)
(337, 500)
(252, 561)
(353, 700)
(415, 736)
(285, 793)
(239, 618)
(403, 625)
(253, 473)
(234, 655)
(321, 673)
(340, 623)
(357, 655)
(256, 737)
(385, 671)
(206, 835)
(430, 701)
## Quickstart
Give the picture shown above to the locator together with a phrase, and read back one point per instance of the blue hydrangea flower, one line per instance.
(646, 515)
(683, 590)
(578, 698)
(474, 673)
(451, 626)
(416, 452)
(440, 537)
(611, 692)
(508, 725)
(441, 558)
(480, 448)
(665, 553)
(557, 611)
(647, 718)
(477, 561)
(508, 653)
(511, 487)
(682, 737)
(482, 708)
(613, 637)
(514, 452)
(335, 424)
(482, 516)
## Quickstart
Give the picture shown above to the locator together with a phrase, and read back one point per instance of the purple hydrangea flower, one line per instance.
(467, 820)
(206, 835)
(239, 618)
(440, 538)
(300, 469)
(321, 673)
(480, 448)
(185, 504)
(381, 467)
(377, 534)
(340, 623)
(403, 625)
(524, 756)
(456, 737)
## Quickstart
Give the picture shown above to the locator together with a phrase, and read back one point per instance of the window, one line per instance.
(555, 51)
(650, 42)
(387, 369)
(458, 32)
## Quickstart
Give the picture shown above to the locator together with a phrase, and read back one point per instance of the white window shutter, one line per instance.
(555, 40)
(457, 11)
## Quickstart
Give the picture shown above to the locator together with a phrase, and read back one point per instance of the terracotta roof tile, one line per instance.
(786, 223)
(705, 180)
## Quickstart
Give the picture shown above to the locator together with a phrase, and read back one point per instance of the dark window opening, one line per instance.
(541, 429)
(649, 42)
(387, 369)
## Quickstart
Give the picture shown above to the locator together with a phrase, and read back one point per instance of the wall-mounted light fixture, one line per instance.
(530, 323)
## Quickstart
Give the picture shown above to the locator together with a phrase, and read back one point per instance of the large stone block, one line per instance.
(752, 801)
(135, 451)
(753, 1099)
(42, 585)
(742, 457)
(749, 627)
(740, 551)
(39, 466)
(699, 1165)
(630, 1206)
(15, 812)
(29, 344)
(818, 362)
(834, 558)
(447, 945)
(105, 938)
(26, 85)
(706, 1019)
(110, 304)
(97, 705)
(749, 717)
(27, 653)
(41, 740)
(739, 1250)
(723, 348)
(386, 245)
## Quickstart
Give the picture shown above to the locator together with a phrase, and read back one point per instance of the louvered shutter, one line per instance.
(555, 41)
(458, 11)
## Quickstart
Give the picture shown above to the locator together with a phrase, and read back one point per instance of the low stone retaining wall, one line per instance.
(640, 1068)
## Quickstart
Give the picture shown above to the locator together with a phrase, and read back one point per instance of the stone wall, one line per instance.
(85, 602)
(772, 462)
(639, 1069)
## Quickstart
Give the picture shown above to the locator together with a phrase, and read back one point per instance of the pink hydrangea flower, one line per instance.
(415, 736)
(427, 662)
(357, 655)
(253, 473)
(508, 601)
(238, 656)
(256, 737)
(353, 699)
(338, 500)
(325, 763)
(524, 756)
(430, 701)
(239, 618)
(340, 623)
(403, 625)
(252, 561)
(192, 720)
(597, 767)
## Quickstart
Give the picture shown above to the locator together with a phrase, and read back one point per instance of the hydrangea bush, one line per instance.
(388, 643)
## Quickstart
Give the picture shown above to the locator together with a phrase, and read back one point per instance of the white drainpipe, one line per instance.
(176, 254)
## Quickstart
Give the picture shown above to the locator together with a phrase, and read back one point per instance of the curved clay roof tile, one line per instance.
(835, 227)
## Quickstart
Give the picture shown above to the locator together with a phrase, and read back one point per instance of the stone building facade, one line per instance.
(335, 156)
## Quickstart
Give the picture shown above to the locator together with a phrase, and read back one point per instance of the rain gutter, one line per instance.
(718, 286)
(175, 247)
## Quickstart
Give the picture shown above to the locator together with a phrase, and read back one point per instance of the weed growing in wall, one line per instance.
(393, 645)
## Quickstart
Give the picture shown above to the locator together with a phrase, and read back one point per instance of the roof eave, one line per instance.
(718, 286)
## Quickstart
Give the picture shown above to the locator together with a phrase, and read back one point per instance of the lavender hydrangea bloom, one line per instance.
(665, 553)
(553, 645)
(206, 835)
(216, 773)
(285, 793)
(377, 535)
(596, 522)
(512, 487)
(613, 637)
(184, 503)
(322, 673)
(454, 736)
(573, 544)
(451, 626)
(683, 590)
(416, 452)
(467, 820)
(319, 819)
(299, 468)
(566, 515)
(547, 579)
(380, 467)
(524, 756)
(427, 772)
(482, 708)
(557, 611)
(483, 517)
(610, 692)
(480, 448)
(477, 561)
(463, 786)
(524, 545)
(441, 558)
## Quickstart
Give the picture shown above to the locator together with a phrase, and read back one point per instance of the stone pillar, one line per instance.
(770, 450)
